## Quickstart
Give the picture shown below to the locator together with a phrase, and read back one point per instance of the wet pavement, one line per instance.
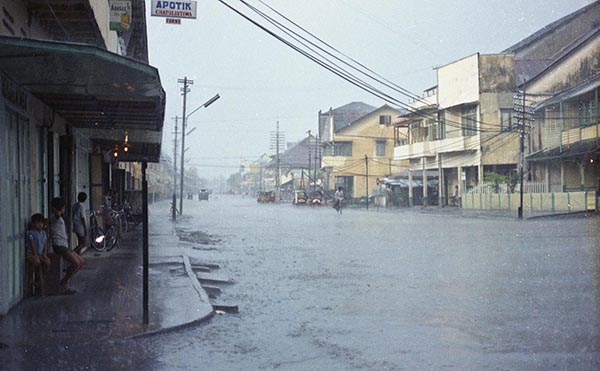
(393, 290)
(368, 290)
(107, 307)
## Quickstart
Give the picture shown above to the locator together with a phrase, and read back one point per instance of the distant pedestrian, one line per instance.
(338, 197)
(79, 222)
(60, 244)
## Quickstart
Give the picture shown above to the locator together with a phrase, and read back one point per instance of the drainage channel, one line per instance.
(210, 282)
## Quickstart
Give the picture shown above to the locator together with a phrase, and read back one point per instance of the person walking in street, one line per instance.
(60, 244)
(79, 222)
(338, 197)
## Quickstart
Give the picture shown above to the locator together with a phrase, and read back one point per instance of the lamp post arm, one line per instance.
(206, 104)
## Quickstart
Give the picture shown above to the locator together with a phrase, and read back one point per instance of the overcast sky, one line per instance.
(261, 81)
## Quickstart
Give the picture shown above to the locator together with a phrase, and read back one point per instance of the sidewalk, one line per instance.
(108, 302)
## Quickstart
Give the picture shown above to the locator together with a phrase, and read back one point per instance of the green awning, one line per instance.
(91, 88)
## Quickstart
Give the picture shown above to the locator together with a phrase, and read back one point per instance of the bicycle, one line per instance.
(337, 205)
(96, 234)
(105, 238)
(112, 231)
(121, 216)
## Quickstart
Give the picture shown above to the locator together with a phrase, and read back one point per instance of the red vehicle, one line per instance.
(264, 197)
(316, 198)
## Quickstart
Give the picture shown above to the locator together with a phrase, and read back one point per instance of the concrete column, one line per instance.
(440, 181)
(424, 183)
(582, 175)
(547, 176)
(410, 189)
(562, 176)
(460, 184)
(480, 174)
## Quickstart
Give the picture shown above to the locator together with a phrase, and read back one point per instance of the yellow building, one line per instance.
(357, 152)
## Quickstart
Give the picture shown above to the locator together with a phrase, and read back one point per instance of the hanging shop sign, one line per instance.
(120, 15)
(173, 9)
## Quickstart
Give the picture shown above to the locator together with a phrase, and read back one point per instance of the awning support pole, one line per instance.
(145, 238)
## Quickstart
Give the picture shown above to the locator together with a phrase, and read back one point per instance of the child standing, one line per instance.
(37, 249)
(79, 223)
(60, 244)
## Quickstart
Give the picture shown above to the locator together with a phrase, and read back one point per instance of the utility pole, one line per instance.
(315, 173)
(185, 90)
(276, 138)
(174, 203)
(523, 115)
(309, 162)
(367, 178)
(278, 178)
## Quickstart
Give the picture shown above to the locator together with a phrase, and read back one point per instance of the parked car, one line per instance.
(203, 195)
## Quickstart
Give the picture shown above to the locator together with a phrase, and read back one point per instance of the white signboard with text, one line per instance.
(120, 15)
(173, 9)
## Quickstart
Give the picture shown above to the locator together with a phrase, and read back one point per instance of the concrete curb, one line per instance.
(575, 214)
(203, 297)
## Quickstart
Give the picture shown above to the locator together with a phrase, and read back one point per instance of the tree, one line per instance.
(495, 180)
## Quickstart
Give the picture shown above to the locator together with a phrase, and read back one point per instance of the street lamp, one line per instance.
(183, 134)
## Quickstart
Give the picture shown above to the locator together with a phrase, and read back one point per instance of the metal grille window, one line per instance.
(342, 149)
(506, 120)
(586, 113)
(432, 130)
(442, 125)
(469, 121)
(380, 148)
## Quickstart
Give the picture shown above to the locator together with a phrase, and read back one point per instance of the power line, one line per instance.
(336, 69)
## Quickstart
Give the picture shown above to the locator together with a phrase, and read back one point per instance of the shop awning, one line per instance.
(91, 88)
(575, 92)
(578, 149)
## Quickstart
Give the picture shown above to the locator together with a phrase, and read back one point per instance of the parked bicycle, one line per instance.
(103, 238)
(120, 217)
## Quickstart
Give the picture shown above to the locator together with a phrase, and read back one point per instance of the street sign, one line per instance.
(173, 9)
(120, 15)
(173, 20)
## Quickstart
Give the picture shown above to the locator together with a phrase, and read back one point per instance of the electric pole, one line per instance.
(276, 139)
(174, 203)
(316, 156)
(185, 90)
(523, 114)
(367, 179)
(309, 160)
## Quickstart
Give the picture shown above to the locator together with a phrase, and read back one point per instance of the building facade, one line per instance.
(72, 92)
(356, 154)
(462, 127)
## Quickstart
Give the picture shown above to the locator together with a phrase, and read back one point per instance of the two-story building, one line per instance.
(358, 151)
(74, 93)
(462, 127)
(565, 140)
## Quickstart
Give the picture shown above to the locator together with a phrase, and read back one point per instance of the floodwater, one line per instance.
(388, 290)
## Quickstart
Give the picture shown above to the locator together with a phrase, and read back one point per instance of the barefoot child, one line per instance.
(60, 244)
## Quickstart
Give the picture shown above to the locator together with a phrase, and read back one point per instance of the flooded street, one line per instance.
(388, 290)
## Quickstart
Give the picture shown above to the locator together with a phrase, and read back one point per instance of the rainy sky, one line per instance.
(261, 81)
